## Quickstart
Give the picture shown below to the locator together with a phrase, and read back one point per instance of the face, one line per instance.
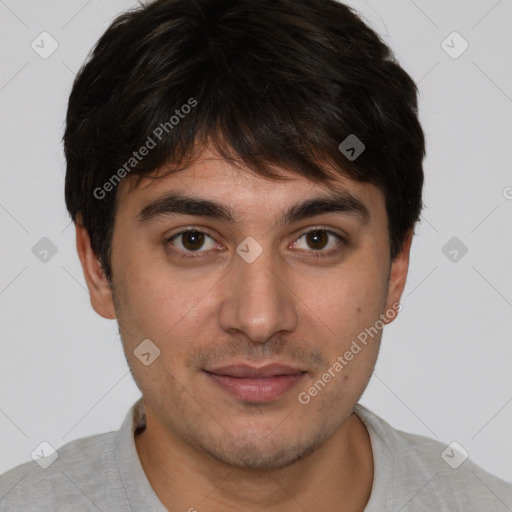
(222, 299)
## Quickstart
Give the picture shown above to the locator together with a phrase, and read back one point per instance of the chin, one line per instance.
(264, 454)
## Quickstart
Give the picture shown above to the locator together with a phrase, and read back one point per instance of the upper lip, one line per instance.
(245, 370)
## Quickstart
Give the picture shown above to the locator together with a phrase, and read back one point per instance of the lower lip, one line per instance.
(256, 389)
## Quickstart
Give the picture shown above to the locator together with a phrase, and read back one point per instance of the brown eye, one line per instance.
(317, 242)
(317, 239)
(192, 240)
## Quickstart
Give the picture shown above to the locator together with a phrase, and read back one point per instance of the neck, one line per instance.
(337, 476)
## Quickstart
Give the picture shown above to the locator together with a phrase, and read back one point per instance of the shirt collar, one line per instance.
(139, 492)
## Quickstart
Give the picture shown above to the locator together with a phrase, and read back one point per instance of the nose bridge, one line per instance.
(258, 301)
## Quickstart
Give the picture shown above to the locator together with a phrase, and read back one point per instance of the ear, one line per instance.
(398, 276)
(99, 288)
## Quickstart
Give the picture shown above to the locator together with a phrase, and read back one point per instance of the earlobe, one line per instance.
(99, 289)
(398, 275)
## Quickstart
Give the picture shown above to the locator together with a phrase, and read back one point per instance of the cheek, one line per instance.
(345, 312)
(158, 302)
(350, 300)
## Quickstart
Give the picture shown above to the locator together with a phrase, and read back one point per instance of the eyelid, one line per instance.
(332, 231)
(190, 254)
(343, 239)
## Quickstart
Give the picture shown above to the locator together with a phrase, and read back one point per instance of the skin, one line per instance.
(202, 447)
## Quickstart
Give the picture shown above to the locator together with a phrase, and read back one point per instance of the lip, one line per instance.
(256, 384)
(246, 370)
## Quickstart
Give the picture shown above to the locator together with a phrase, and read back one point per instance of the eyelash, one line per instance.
(202, 254)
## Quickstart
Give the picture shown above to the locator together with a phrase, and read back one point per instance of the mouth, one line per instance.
(256, 385)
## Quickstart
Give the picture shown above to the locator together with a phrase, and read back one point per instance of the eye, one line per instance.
(191, 241)
(317, 239)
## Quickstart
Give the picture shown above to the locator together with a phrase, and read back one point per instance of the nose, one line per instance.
(258, 300)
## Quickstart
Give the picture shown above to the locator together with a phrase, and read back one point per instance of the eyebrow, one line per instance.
(174, 203)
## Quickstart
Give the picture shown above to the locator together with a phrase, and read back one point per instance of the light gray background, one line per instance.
(444, 367)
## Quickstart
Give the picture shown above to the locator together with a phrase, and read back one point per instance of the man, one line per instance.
(245, 178)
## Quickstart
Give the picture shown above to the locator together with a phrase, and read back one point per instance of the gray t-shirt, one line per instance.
(103, 472)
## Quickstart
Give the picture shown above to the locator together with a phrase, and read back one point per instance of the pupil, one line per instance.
(316, 235)
(197, 240)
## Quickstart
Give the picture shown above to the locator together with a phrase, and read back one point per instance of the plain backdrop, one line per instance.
(444, 367)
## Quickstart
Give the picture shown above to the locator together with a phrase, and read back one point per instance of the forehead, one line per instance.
(241, 190)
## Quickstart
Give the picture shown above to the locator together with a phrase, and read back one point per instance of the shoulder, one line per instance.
(453, 477)
(426, 472)
(76, 477)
